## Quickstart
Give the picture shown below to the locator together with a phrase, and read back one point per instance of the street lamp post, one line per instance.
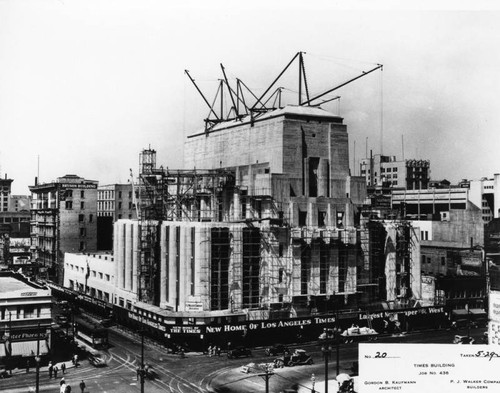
(326, 353)
(313, 380)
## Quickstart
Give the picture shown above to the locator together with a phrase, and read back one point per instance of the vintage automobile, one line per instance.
(298, 357)
(96, 360)
(356, 333)
(238, 352)
(277, 349)
(458, 339)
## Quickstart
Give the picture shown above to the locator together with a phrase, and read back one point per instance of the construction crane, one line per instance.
(260, 105)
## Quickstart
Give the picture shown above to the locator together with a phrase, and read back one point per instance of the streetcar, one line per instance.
(93, 334)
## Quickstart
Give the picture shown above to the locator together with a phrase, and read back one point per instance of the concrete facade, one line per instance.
(297, 155)
(92, 274)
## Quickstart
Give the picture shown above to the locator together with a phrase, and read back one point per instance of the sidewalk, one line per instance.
(45, 369)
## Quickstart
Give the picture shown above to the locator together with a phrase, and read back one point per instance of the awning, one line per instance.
(477, 311)
(28, 348)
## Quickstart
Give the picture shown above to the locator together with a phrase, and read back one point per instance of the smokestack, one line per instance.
(36, 180)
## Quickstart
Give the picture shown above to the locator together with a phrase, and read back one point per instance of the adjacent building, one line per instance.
(485, 193)
(380, 170)
(114, 202)
(63, 219)
(25, 320)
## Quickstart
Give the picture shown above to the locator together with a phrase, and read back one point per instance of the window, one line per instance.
(280, 275)
(91, 218)
(81, 218)
(69, 193)
(119, 195)
(119, 216)
(302, 218)
(443, 261)
(94, 273)
(321, 219)
(29, 312)
(69, 205)
(82, 246)
(107, 277)
(130, 205)
(82, 232)
(119, 205)
(82, 194)
(82, 205)
(100, 275)
(394, 169)
(130, 194)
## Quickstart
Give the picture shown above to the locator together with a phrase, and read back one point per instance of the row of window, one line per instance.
(110, 195)
(428, 260)
(69, 205)
(463, 294)
(110, 205)
(93, 273)
(69, 194)
(81, 218)
(21, 312)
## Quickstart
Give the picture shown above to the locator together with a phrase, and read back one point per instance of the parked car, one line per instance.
(298, 357)
(356, 333)
(238, 352)
(149, 372)
(277, 349)
(96, 361)
(463, 339)
(62, 320)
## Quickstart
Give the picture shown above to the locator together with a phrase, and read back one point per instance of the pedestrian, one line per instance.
(63, 368)
(68, 389)
(62, 386)
(56, 369)
(51, 368)
(82, 386)
(27, 367)
(209, 351)
(218, 350)
(75, 359)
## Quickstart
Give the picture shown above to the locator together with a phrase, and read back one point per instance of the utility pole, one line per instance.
(37, 360)
(267, 375)
(142, 361)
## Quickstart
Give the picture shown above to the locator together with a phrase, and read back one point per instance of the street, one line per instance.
(196, 372)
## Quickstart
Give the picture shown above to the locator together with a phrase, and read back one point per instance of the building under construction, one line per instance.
(272, 227)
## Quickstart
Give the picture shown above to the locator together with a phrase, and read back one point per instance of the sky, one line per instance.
(86, 85)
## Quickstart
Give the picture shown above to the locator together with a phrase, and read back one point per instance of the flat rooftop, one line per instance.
(10, 284)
